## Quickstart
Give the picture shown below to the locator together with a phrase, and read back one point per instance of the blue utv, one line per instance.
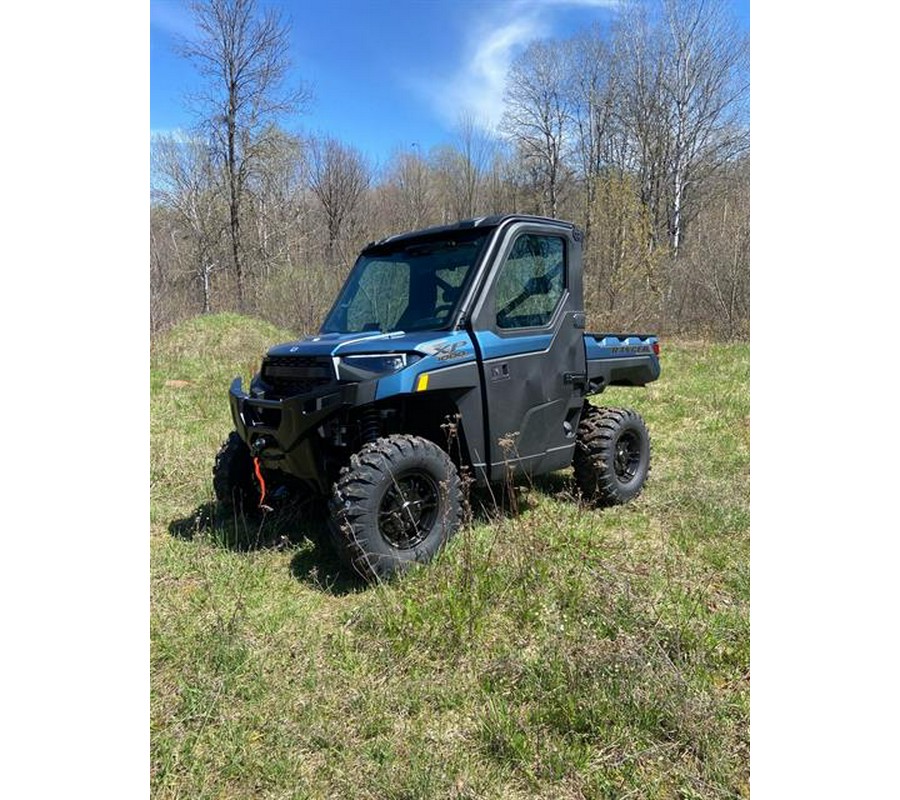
(448, 349)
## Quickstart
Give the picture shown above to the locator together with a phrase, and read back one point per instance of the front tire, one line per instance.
(612, 455)
(397, 504)
(233, 480)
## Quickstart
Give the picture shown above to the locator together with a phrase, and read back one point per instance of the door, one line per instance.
(529, 328)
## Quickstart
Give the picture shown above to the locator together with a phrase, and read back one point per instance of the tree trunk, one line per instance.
(205, 270)
(678, 191)
(234, 206)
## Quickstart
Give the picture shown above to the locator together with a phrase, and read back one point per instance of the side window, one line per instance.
(531, 282)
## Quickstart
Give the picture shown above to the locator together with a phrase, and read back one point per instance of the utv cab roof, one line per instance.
(480, 223)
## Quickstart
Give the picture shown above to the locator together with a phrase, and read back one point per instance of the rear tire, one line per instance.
(234, 483)
(397, 504)
(612, 455)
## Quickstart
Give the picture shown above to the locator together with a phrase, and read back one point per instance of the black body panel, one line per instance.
(634, 371)
(533, 405)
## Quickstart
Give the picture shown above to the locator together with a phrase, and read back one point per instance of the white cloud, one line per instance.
(476, 86)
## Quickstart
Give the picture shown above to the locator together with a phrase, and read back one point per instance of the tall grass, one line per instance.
(552, 651)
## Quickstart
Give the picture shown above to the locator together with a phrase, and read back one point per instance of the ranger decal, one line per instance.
(630, 348)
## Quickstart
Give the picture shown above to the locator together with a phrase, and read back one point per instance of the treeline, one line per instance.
(638, 132)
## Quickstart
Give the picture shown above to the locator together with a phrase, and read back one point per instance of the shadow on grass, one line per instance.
(509, 500)
(303, 527)
(557, 484)
(297, 526)
(317, 565)
(242, 532)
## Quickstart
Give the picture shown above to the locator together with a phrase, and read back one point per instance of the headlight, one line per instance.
(360, 367)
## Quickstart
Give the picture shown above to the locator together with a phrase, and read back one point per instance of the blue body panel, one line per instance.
(494, 346)
(447, 351)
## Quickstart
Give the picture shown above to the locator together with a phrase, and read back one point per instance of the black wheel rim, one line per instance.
(408, 510)
(628, 456)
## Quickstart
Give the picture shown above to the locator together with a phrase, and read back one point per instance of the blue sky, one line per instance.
(387, 73)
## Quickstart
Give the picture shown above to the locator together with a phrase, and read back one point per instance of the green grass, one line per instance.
(556, 652)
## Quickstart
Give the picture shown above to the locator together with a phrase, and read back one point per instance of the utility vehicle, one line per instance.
(457, 348)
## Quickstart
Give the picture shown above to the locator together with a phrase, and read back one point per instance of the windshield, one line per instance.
(410, 286)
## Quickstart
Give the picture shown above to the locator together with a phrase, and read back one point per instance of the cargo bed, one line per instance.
(620, 359)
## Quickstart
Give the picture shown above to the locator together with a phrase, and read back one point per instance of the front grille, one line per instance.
(292, 375)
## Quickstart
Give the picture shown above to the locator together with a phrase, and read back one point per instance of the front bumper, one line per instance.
(281, 432)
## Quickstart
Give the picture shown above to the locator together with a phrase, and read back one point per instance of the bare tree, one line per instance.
(641, 113)
(538, 114)
(593, 102)
(685, 83)
(276, 204)
(621, 278)
(162, 287)
(500, 188)
(184, 180)
(705, 88)
(719, 260)
(474, 147)
(449, 177)
(410, 174)
(243, 55)
(338, 176)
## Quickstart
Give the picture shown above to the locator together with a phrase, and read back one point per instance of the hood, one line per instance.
(342, 344)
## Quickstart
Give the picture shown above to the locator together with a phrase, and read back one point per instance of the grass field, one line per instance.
(551, 651)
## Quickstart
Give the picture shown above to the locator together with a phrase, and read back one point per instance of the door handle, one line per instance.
(499, 372)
